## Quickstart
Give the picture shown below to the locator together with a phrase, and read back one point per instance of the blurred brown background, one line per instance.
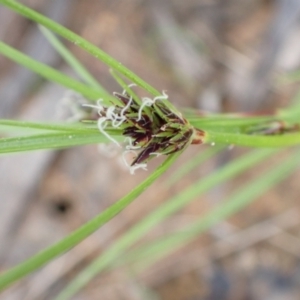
(216, 55)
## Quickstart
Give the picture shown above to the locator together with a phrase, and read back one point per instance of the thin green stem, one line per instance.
(84, 74)
(149, 253)
(51, 140)
(193, 163)
(49, 126)
(84, 231)
(78, 40)
(48, 72)
(237, 139)
(180, 200)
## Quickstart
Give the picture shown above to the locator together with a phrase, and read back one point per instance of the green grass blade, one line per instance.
(282, 140)
(52, 140)
(194, 162)
(125, 87)
(108, 257)
(47, 126)
(48, 72)
(80, 234)
(81, 42)
(236, 121)
(84, 74)
(16, 128)
(228, 121)
(151, 252)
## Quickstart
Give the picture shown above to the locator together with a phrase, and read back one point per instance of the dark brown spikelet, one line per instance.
(157, 129)
(144, 154)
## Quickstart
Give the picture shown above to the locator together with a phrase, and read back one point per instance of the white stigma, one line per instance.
(102, 123)
(149, 102)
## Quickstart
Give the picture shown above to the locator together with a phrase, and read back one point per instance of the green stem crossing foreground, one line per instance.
(48, 72)
(80, 234)
(67, 135)
(220, 131)
(148, 254)
(173, 205)
(279, 140)
(79, 41)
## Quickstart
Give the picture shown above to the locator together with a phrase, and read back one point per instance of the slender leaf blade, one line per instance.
(78, 67)
(56, 140)
(84, 231)
(78, 40)
(48, 72)
(151, 252)
(108, 257)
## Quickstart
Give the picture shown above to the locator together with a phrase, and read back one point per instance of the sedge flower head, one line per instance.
(151, 128)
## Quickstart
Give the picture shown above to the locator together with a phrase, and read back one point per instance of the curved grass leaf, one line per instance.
(56, 140)
(151, 252)
(279, 140)
(193, 163)
(78, 40)
(227, 122)
(48, 72)
(84, 74)
(48, 126)
(84, 231)
(108, 257)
